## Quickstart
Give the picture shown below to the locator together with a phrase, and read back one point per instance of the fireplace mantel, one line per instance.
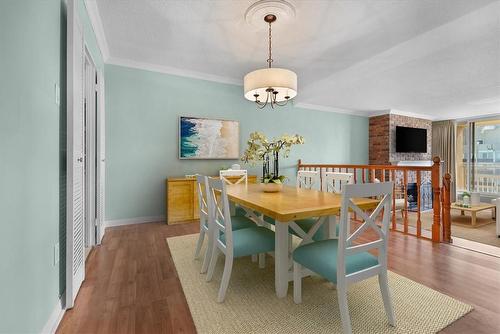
(414, 163)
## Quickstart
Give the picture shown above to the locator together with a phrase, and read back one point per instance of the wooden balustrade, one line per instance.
(446, 208)
(440, 228)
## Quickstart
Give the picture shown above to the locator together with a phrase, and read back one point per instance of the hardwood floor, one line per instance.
(131, 284)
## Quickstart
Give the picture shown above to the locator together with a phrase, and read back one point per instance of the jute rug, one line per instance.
(251, 305)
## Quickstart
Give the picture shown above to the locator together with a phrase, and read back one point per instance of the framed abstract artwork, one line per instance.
(202, 138)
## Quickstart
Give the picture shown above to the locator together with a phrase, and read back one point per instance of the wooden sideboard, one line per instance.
(182, 200)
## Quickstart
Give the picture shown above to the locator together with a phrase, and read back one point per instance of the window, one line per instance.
(478, 157)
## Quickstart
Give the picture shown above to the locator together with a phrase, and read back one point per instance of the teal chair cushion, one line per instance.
(321, 257)
(306, 224)
(249, 241)
(239, 211)
(269, 220)
(240, 222)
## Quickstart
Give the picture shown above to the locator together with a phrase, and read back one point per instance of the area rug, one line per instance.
(251, 305)
(461, 226)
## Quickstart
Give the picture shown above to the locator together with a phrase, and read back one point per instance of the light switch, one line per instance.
(56, 254)
(57, 94)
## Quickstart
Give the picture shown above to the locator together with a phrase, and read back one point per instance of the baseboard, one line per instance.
(102, 230)
(131, 221)
(54, 319)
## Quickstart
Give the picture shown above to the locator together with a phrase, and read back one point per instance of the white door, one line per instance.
(90, 152)
(101, 162)
(75, 264)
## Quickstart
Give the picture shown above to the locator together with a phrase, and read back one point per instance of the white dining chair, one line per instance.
(206, 221)
(201, 188)
(234, 176)
(233, 243)
(333, 182)
(341, 261)
(308, 179)
(399, 199)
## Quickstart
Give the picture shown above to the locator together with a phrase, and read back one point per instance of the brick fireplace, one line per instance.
(382, 139)
(382, 151)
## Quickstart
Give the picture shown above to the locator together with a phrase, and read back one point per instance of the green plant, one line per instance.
(274, 179)
(260, 149)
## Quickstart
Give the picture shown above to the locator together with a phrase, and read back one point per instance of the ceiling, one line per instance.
(437, 59)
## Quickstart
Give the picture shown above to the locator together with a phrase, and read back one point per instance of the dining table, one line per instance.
(286, 207)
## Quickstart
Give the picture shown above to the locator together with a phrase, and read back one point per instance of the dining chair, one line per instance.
(341, 261)
(333, 182)
(232, 243)
(235, 176)
(308, 179)
(206, 223)
(201, 188)
(399, 198)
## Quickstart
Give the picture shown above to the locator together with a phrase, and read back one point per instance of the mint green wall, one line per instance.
(30, 66)
(142, 110)
(32, 161)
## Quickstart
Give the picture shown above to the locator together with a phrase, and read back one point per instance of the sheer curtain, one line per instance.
(443, 146)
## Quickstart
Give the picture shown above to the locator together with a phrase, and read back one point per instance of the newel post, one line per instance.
(436, 207)
(446, 208)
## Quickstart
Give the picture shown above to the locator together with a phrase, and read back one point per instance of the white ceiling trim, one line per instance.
(401, 113)
(329, 109)
(173, 71)
(475, 118)
(95, 20)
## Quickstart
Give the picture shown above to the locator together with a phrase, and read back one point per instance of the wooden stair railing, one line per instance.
(440, 229)
(446, 208)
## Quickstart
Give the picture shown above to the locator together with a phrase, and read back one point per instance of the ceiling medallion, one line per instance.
(270, 86)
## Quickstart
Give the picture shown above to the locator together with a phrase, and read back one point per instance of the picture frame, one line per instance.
(208, 139)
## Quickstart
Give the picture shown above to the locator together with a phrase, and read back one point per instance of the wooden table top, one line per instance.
(291, 203)
(480, 207)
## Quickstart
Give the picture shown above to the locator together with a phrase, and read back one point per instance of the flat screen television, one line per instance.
(411, 140)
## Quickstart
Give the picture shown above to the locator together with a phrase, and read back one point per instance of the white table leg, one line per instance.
(331, 227)
(281, 259)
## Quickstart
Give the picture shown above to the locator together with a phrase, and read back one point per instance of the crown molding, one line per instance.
(330, 109)
(483, 117)
(412, 114)
(173, 71)
(95, 20)
(401, 113)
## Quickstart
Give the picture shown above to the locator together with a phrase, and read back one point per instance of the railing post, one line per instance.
(436, 207)
(446, 208)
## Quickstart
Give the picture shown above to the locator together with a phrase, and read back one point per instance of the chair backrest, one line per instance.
(241, 176)
(333, 182)
(202, 191)
(381, 191)
(308, 179)
(220, 213)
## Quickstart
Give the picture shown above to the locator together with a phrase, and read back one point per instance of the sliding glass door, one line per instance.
(478, 157)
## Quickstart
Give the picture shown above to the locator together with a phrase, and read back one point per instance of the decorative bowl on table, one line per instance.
(271, 187)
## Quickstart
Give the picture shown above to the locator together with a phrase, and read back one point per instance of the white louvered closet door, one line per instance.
(75, 251)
